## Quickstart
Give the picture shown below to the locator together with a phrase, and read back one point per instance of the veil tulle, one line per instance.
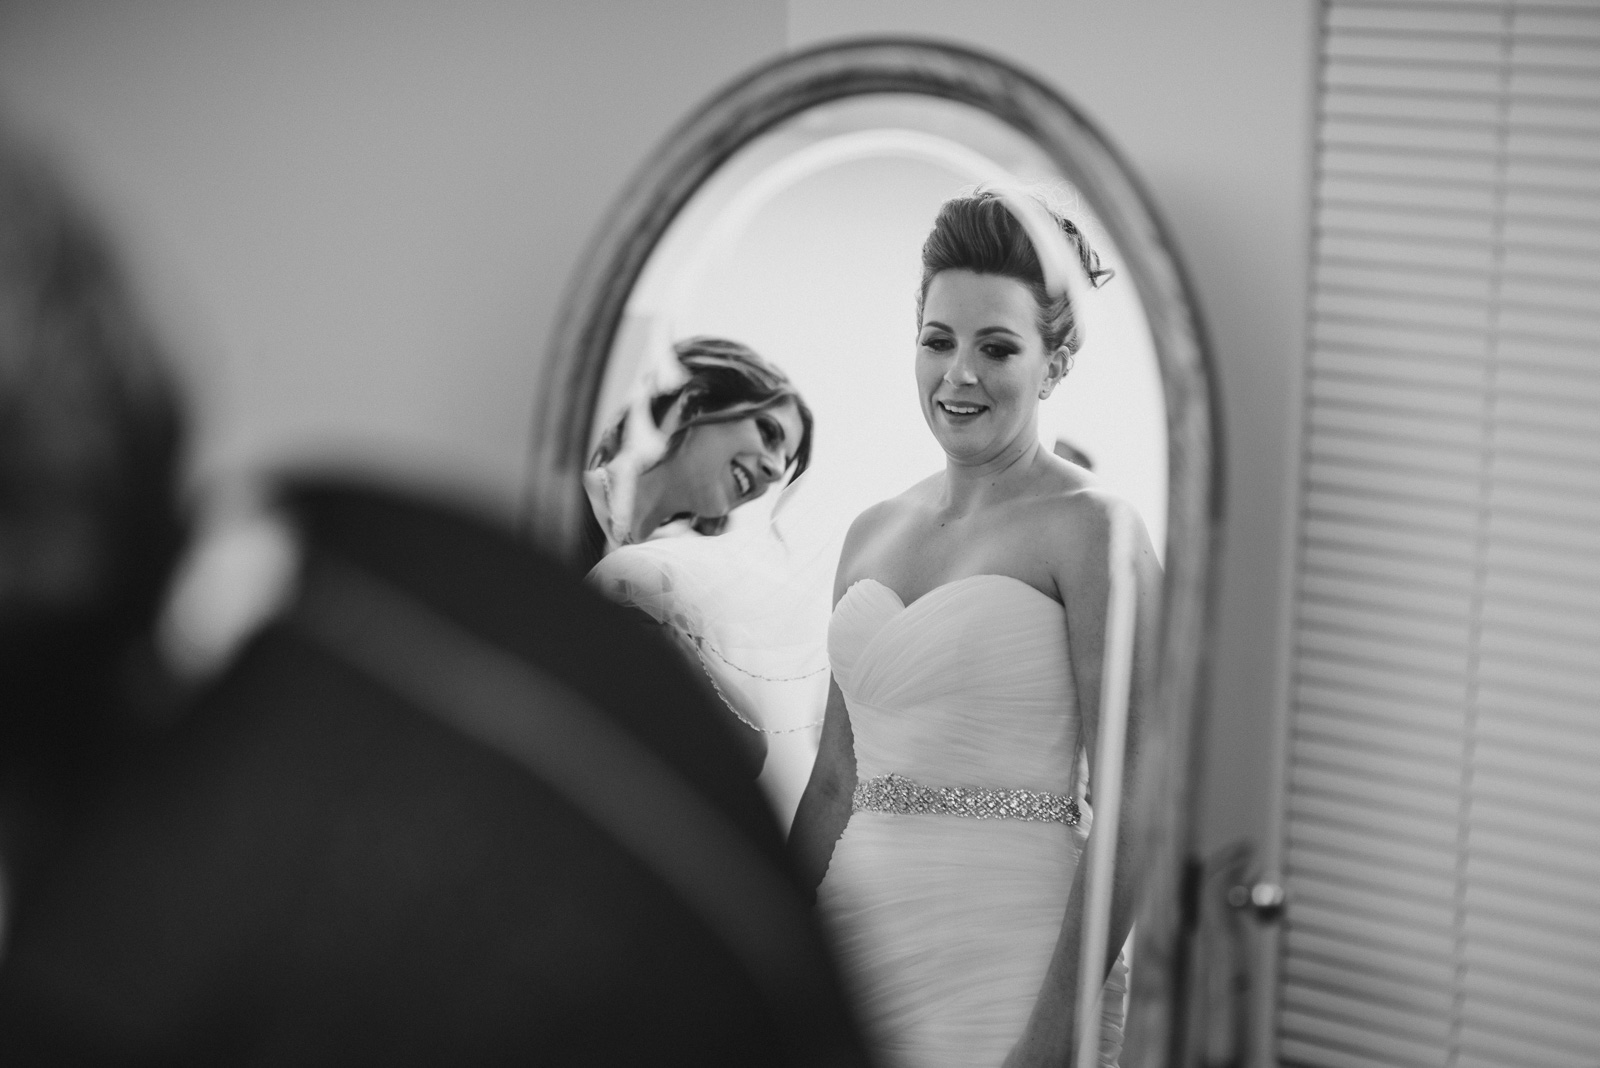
(753, 604)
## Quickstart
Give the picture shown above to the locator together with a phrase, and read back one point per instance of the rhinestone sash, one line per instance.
(898, 794)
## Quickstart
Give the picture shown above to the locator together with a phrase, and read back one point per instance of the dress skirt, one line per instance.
(945, 926)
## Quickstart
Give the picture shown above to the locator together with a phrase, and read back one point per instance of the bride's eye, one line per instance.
(997, 350)
(937, 342)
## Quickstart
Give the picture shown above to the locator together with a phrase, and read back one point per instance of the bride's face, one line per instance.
(981, 365)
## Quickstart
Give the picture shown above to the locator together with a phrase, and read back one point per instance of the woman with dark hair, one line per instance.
(741, 608)
(732, 427)
(90, 523)
(966, 645)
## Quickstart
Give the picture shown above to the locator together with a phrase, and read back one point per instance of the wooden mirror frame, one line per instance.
(570, 377)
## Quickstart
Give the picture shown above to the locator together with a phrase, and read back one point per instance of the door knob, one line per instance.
(1264, 900)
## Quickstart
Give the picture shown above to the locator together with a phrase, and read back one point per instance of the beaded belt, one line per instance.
(898, 794)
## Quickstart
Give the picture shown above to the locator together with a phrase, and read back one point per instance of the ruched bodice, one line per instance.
(945, 924)
(969, 685)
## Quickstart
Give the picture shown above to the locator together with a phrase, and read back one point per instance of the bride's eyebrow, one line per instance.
(936, 325)
(986, 331)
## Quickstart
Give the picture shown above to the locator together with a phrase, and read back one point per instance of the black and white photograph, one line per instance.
(817, 533)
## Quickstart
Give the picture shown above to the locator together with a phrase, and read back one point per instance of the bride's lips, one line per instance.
(960, 411)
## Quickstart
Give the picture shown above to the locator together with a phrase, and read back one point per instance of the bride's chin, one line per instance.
(961, 451)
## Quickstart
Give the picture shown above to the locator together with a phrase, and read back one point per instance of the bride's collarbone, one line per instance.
(920, 546)
(931, 513)
(983, 532)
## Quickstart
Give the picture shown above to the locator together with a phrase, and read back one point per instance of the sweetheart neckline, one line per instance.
(945, 585)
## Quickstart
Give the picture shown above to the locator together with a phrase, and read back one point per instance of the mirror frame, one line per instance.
(570, 377)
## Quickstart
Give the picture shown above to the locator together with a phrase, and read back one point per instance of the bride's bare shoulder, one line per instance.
(888, 513)
(880, 523)
(1075, 522)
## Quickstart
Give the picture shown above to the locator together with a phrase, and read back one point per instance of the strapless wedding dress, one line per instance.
(946, 923)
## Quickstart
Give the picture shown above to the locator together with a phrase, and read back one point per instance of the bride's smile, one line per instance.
(982, 365)
(957, 410)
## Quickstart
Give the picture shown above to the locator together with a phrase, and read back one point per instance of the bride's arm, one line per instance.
(1084, 582)
(825, 806)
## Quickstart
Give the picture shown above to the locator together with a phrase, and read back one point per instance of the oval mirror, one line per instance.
(788, 214)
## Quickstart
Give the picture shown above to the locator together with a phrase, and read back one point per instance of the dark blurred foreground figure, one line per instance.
(90, 435)
(421, 817)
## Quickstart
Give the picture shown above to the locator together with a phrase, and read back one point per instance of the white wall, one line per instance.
(356, 216)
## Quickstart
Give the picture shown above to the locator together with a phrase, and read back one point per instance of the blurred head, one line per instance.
(1072, 454)
(734, 427)
(90, 434)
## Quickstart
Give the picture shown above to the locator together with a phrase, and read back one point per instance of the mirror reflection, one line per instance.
(901, 498)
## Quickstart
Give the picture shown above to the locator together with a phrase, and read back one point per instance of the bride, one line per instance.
(965, 645)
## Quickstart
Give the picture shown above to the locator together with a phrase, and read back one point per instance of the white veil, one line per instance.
(753, 604)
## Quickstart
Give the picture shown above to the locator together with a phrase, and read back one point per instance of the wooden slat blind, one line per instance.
(1443, 796)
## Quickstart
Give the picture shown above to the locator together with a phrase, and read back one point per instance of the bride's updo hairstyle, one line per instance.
(978, 233)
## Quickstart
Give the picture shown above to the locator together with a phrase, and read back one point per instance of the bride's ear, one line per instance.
(1055, 369)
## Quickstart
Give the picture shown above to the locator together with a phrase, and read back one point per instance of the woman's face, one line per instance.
(723, 465)
(981, 365)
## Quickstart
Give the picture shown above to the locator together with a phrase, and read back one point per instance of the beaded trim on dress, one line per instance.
(899, 795)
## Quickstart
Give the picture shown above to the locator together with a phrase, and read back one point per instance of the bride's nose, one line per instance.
(960, 372)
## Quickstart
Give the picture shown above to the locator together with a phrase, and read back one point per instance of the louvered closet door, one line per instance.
(1443, 828)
